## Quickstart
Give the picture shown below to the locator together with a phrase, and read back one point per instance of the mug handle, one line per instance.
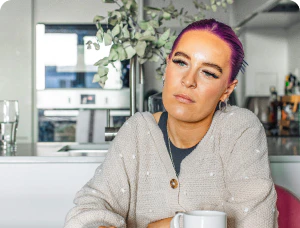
(175, 221)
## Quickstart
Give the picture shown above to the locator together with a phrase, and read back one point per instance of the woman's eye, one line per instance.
(207, 73)
(179, 62)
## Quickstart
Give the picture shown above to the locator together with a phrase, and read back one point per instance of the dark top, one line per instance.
(178, 154)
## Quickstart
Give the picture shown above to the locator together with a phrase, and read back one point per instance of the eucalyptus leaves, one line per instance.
(148, 40)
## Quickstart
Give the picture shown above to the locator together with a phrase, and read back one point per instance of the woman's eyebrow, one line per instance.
(182, 54)
(217, 67)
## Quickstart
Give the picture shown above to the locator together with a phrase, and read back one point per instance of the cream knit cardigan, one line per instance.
(228, 171)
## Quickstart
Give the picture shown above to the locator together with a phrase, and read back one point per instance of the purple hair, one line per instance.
(224, 32)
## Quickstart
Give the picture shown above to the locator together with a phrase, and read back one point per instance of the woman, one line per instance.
(190, 157)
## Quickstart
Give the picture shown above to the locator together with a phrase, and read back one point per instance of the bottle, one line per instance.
(272, 106)
(279, 109)
(290, 84)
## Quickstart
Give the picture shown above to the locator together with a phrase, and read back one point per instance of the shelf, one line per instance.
(295, 99)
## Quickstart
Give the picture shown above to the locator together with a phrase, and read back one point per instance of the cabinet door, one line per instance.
(39, 194)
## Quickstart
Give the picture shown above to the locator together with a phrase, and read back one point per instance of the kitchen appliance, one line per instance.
(259, 106)
(65, 61)
(80, 115)
(70, 107)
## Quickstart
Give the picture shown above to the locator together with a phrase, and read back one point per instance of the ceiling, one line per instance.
(274, 20)
(282, 14)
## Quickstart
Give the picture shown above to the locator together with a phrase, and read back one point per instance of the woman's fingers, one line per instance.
(107, 227)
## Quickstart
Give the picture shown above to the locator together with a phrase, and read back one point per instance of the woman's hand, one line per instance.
(164, 223)
(107, 227)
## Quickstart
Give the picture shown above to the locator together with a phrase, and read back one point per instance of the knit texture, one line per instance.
(228, 171)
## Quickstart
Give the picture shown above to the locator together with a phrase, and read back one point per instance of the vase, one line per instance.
(155, 103)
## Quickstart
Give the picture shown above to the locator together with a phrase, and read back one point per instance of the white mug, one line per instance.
(201, 219)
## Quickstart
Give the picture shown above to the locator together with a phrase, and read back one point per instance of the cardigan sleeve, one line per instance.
(251, 196)
(105, 199)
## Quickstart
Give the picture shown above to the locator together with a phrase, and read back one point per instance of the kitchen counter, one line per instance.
(284, 149)
(55, 153)
(281, 149)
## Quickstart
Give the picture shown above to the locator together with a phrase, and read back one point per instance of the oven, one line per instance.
(80, 115)
(70, 107)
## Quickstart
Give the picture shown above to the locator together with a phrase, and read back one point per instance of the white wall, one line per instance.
(266, 52)
(69, 11)
(16, 61)
(240, 90)
(293, 34)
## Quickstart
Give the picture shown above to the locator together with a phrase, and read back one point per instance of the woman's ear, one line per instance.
(229, 90)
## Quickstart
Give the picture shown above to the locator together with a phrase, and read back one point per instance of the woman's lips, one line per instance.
(184, 98)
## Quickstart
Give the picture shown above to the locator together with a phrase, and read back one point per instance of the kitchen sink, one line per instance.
(86, 149)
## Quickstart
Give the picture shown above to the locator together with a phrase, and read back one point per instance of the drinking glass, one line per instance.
(9, 119)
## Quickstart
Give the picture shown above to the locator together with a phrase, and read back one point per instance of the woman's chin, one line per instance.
(181, 113)
(188, 114)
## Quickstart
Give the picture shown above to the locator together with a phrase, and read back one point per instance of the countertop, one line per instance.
(281, 149)
(53, 153)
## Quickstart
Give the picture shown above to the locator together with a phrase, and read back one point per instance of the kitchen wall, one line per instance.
(293, 39)
(241, 86)
(266, 51)
(69, 11)
(16, 65)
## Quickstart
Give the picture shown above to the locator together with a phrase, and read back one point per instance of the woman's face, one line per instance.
(197, 76)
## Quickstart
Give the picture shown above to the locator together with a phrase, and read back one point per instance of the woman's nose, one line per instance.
(189, 80)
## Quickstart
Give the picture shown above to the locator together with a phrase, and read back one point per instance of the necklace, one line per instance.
(170, 152)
